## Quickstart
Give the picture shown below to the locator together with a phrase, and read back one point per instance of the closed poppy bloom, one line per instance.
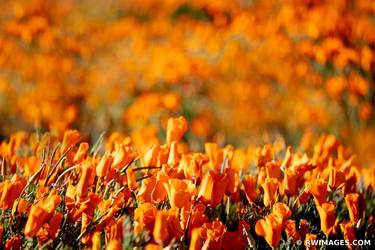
(282, 210)
(104, 164)
(150, 158)
(290, 183)
(237, 239)
(180, 192)
(167, 226)
(71, 137)
(232, 181)
(327, 218)
(174, 156)
(288, 158)
(310, 238)
(176, 127)
(270, 187)
(144, 217)
(318, 189)
(348, 231)
(196, 242)
(10, 190)
(291, 230)
(40, 213)
(249, 184)
(351, 201)
(81, 152)
(86, 179)
(212, 188)
(336, 179)
(270, 228)
(213, 233)
(215, 155)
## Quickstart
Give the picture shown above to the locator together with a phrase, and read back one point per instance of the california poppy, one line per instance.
(327, 218)
(351, 201)
(176, 127)
(270, 187)
(270, 228)
(249, 183)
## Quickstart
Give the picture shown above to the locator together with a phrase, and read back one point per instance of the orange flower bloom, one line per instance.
(281, 210)
(40, 213)
(270, 228)
(14, 243)
(104, 164)
(318, 189)
(249, 183)
(270, 187)
(291, 182)
(86, 179)
(215, 155)
(176, 127)
(144, 217)
(264, 155)
(10, 190)
(212, 188)
(54, 225)
(123, 155)
(167, 226)
(131, 179)
(180, 192)
(71, 137)
(213, 234)
(336, 179)
(81, 152)
(351, 201)
(174, 156)
(327, 217)
(197, 217)
(273, 170)
(114, 230)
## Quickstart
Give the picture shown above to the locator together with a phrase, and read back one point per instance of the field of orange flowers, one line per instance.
(150, 124)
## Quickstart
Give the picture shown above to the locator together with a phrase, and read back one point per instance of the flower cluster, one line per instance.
(58, 192)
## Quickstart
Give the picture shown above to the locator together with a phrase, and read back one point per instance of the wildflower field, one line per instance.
(150, 124)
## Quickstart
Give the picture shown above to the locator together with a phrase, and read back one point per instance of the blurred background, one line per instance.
(241, 71)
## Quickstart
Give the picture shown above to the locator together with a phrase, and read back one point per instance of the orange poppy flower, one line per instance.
(336, 179)
(197, 217)
(327, 217)
(318, 189)
(232, 181)
(270, 187)
(180, 192)
(264, 155)
(351, 201)
(81, 152)
(190, 167)
(249, 183)
(167, 226)
(131, 179)
(10, 190)
(96, 241)
(237, 239)
(104, 164)
(123, 155)
(54, 225)
(281, 210)
(290, 182)
(212, 233)
(150, 158)
(1, 232)
(176, 127)
(174, 156)
(144, 217)
(71, 137)
(86, 179)
(212, 188)
(270, 228)
(215, 155)
(40, 213)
